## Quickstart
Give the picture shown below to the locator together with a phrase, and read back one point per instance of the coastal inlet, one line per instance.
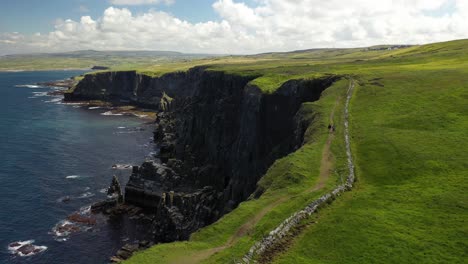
(57, 160)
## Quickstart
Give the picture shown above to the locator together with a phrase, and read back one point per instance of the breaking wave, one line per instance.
(31, 86)
(73, 177)
(86, 195)
(110, 113)
(25, 248)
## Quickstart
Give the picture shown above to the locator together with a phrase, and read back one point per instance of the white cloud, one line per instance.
(272, 25)
(141, 2)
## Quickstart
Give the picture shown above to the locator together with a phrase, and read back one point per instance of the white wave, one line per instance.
(109, 113)
(64, 199)
(103, 190)
(124, 132)
(40, 94)
(31, 86)
(86, 195)
(87, 228)
(94, 107)
(37, 250)
(121, 166)
(55, 100)
(18, 244)
(73, 177)
(59, 229)
(16, 248)
(121, 127)
(140, 116)
(79, 104)
(85, 210)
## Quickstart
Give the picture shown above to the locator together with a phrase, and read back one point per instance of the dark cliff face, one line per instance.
(218, 136)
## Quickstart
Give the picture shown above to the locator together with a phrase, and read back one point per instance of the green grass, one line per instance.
(116, 60)
(288, 178)
(409, 128)
(410, 204)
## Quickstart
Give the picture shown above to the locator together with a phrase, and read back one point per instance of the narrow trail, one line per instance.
(268, 244)
(242, 231)
(326, 166)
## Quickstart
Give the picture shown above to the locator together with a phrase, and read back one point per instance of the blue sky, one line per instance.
(31, 16)
(225, 26)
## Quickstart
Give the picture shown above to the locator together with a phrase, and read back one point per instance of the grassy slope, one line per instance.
(410, 205)
(409, 127)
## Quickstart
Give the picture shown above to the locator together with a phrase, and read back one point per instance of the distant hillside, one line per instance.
(86, 59)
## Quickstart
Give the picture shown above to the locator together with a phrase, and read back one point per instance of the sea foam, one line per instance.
(31, 86)
(110, 113)
(25, 248)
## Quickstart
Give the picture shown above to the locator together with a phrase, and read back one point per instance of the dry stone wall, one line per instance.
(283, 229)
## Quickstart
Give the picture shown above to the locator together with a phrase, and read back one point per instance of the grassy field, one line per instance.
(116, 60)
(409, 128)
(410, 204)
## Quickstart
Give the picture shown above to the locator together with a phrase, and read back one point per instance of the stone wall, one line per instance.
(284, 228)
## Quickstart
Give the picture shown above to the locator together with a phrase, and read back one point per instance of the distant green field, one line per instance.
(409, 127)
(86, 59)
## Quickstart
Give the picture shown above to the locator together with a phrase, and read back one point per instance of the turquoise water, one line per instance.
(49, 151)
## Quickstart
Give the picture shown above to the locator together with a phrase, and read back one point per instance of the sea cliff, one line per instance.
(218, 134)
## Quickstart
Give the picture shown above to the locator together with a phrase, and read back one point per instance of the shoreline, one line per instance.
(148, 115)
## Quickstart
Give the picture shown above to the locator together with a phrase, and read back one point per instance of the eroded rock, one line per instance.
(217, 135)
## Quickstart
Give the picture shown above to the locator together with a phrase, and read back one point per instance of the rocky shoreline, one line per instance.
(115, 108)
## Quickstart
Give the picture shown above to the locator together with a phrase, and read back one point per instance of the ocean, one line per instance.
(57, 159)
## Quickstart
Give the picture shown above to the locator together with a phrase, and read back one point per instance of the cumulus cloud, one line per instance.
(271, 25)
(141, 2)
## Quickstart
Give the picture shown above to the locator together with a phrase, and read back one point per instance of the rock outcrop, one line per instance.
(114, 190)
(217, 134)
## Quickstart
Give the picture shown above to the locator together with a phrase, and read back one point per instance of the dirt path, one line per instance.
(242, 231)
(326, 166)
(270, 244)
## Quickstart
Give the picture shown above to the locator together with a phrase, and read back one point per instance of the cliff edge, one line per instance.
(218, 134)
